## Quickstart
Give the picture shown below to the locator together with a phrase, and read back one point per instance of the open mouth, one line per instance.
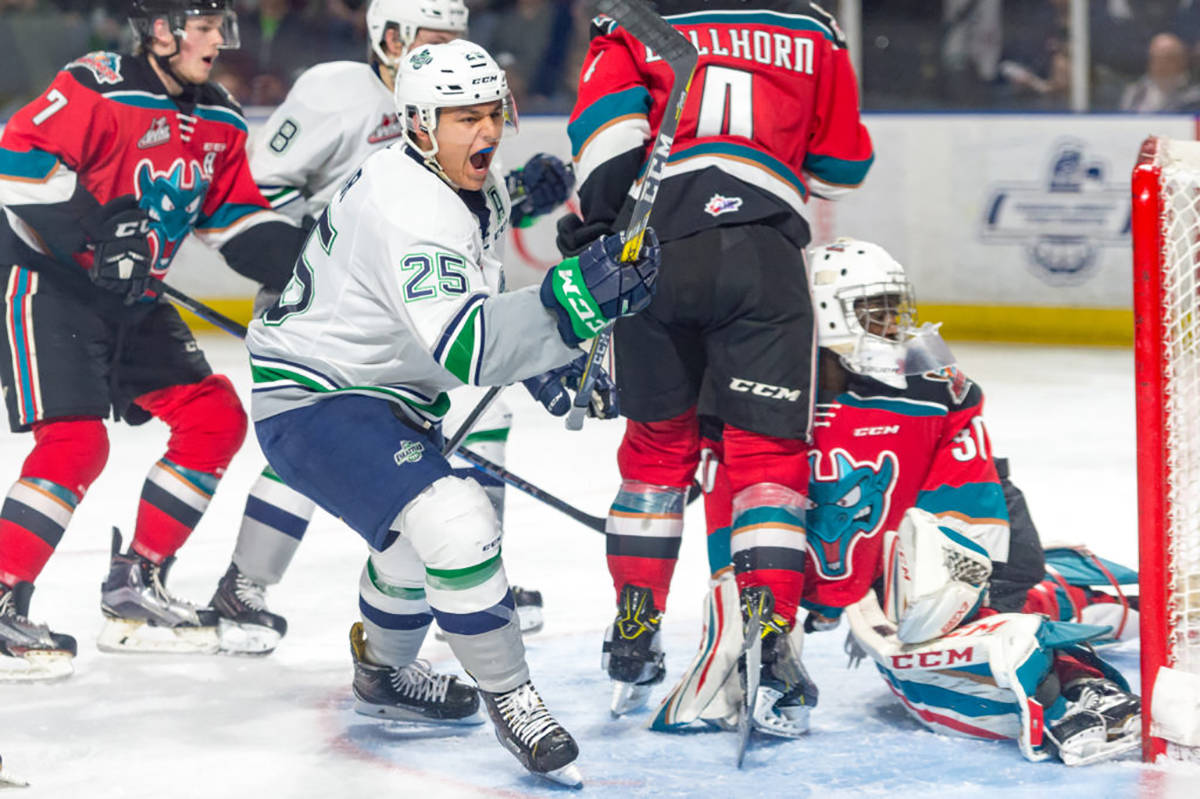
(483, 159)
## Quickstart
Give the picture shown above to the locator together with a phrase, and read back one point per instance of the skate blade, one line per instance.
(1098, 751)
(568, 775)
(246, 639)
(406, 716)
(9, 781)
(36, 666)
(766, 720)
(627, 697)
(529, 618)
(129, 635)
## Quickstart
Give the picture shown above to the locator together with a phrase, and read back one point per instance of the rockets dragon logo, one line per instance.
(849, 505)
(172, 199)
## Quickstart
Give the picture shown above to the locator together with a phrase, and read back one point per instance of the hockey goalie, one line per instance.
(908, 537)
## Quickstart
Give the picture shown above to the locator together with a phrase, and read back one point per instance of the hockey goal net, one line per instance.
(1166, 266)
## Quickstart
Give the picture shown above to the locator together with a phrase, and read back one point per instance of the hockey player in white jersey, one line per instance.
(394, 302)
(335, 116)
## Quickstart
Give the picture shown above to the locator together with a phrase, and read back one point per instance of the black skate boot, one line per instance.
(30, 651)
(525, 727)
(246, 626)
(784, 694)
(1122, 711)
(632, 651)
(529, 609)
(412, 693)
(140, 615)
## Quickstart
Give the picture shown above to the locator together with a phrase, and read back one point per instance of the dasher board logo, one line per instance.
(1063, 218)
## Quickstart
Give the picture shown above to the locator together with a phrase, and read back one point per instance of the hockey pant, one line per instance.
(207, 427)
(987, 679)
(765, 479)
(277, 517)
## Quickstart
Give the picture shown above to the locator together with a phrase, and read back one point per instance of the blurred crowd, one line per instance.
(916, 54)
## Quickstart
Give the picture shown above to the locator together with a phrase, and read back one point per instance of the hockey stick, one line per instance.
(656, 34)
(464, 429)
(210, 315)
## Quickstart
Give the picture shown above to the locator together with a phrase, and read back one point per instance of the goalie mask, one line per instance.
(454, 74)
(143, 13)
(867, 313)
(408, 17)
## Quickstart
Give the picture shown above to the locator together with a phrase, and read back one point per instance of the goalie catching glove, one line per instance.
(591, 290)
(550, 389)
(118, 233)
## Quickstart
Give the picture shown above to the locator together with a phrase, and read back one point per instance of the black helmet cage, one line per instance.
(142, 14)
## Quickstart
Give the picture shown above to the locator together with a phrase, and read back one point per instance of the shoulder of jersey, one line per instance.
(338, 86)
(603, 25)
(410, 195)
(950, 387)
(104, 71)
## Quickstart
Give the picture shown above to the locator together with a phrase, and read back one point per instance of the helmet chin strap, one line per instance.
(164, 63)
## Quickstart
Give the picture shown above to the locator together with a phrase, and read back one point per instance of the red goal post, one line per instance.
(1166, 303)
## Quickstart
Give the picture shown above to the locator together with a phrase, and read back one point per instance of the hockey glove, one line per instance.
(550, 389)
(537, 188)
(121, 250)
(588, 291)
(574, 236)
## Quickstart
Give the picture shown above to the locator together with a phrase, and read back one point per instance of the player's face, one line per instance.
(880, 315)
(467, 140)
(198, 49)
(431, 36)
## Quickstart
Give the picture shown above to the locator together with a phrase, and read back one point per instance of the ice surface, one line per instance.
(162, 726)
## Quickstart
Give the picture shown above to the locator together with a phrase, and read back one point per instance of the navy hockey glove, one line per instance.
(550, 389)
(121, 251)
(588, 291)
(574, 236)
(537, 188)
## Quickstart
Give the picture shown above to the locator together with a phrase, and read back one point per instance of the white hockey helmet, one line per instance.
(866, 308)
(408, 17)
(457, 73)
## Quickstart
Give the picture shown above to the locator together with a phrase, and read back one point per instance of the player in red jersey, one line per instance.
(102, 177)
(905, 504)
(771, 119)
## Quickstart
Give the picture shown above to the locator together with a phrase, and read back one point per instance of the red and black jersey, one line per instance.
(877, 452)
(106, 128)
(771, 118)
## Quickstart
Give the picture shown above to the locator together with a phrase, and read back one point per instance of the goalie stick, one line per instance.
(680, 55)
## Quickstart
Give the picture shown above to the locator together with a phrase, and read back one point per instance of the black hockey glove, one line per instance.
(574, 236)
(118, 233)
(550, 389)
(537, 188)
(591, 290)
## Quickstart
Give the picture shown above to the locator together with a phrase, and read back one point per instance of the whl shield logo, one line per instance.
(1063, 219)
(718, 205)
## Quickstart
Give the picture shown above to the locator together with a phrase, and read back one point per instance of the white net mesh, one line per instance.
(1181, 329)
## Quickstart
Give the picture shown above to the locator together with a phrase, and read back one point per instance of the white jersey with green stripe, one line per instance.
(335, 116)
(397, 295)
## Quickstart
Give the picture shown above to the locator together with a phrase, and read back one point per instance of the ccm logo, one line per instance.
(583, 311)
(127, 229)
(934, 660)
(885, 430)
(764, 389)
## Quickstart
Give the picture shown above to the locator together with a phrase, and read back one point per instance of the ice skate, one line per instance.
(245, 625)
(8, 780)
(413, 693)
(29, 651)
(525, 727)
(632, 652)
(140, 615)
(1102, 722)
(529, 609)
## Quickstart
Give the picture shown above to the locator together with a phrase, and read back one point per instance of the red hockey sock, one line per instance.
(67, 452)
(208, 426)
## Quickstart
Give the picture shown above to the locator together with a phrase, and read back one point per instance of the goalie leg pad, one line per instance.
(453, 530)
(934, 577)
